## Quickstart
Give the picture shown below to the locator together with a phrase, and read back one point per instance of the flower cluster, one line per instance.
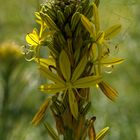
(78, 52)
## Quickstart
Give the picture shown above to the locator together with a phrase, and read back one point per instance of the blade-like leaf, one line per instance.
(51, 131)
(112, 31)
(73, 104)
(111, 61)
(108, 90)
(65, 65)
(88, 25)
(40, 114)
(86, 82)
(102, 133)
(51, 88)
(96, 18)
(79, 69)
(51, 76)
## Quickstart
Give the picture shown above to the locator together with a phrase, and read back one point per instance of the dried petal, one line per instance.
(41, 113)
(108, 90)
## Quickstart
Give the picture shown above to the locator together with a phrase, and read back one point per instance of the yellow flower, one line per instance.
(9, 50)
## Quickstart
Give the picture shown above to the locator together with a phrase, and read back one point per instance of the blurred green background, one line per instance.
(21, 101)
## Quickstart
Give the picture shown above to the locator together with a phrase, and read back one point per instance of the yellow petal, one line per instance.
(94, 51)
(51, 76)
(46, 62)
(112, 31)
(73, 104)
(108, 90)
(111, 61)
(51, 88)
(79, 69)
(102, 133)
(100, 37)
(65, 65)
(96, 18)
(33, 38)
(88, 25)
(87, 82)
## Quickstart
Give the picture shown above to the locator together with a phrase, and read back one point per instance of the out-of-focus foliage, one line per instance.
(18, 79)
(16, 98)
(17, 18)
(123, 116)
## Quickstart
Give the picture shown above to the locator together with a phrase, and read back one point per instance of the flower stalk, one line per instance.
(78, 51)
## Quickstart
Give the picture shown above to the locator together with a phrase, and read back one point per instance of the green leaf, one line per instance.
(88, 25)
(51, 76)
(86, 82)
(96, 18)
(102, 133)
(73, 104)
(51, 88)
(112, 31)
(111, 61)
(51, 131)
(65, 65)
(79, 69)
